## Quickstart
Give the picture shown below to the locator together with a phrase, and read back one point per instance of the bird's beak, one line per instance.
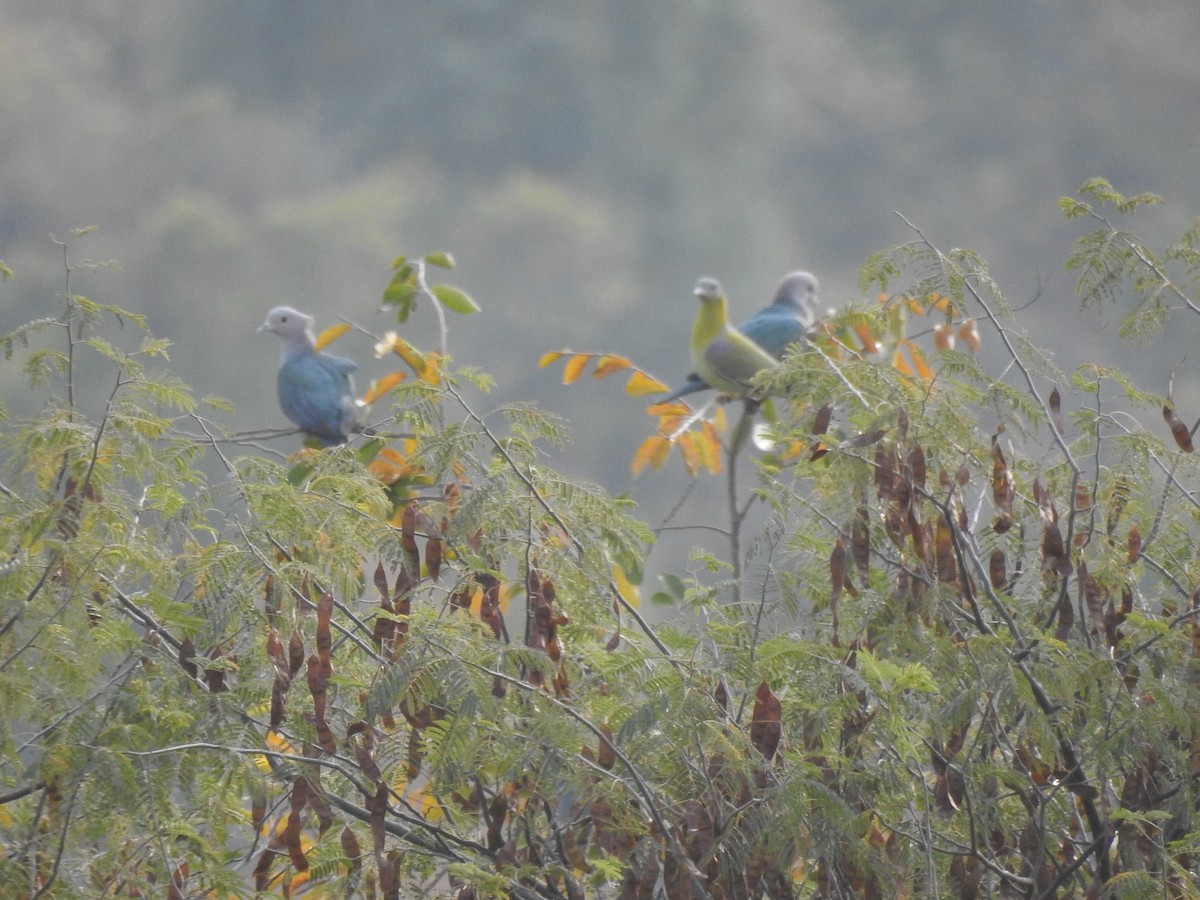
(697, 292)
(263, 327)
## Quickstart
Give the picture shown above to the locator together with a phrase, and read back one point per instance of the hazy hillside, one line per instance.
(584, 163)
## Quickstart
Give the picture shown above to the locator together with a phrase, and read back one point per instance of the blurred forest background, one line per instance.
(584, 163)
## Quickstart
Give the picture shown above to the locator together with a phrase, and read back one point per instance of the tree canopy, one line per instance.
(957, 657)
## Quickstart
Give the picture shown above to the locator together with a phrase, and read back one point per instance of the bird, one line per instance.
(787, 319)
(724, 358)
(316, 389)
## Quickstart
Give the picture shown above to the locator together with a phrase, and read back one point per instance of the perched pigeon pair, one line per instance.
(728, 358)
(316, 390)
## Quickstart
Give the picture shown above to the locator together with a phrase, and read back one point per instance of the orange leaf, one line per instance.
(943, 336)
(551, 357)
(574, 368)
(331, 334)
(970, 334)
(869, 343)
(641, 384)
(653, 451)
(674, 408)
(942, 304)
(900, 364)
(918, 358)
(606, 365)
(382, 386)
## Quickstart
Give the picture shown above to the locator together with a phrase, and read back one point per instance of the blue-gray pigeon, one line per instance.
(316, 390)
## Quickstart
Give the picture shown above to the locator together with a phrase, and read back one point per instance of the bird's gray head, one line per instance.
(799, 291)
(708, 289)
(287, 322)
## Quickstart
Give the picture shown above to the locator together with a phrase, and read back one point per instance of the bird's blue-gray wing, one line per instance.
(774, 328)
(317, 393)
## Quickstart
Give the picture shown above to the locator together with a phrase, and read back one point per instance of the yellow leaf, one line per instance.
(431, 372)
(551, 357)
(606, 365)
(382, 386)
(670, 421)
(708, 448)
(627, 589)
(653, 451)
(410, 354)
(641, 384)
(426, 804)
(913, 306)
(331, 334)
(574, 368)
(691, 456)
(718, 420)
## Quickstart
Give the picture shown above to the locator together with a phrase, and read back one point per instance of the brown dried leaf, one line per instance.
(351, 850)
(433, 557)
(295, 653)
(947, 564)
(324, 635)
(607, 756)
(916, 467)
(295, 821)
(837, 571)
(886, 463)
(1066, 618)
(408, 539)
(1179, 431)
(187, 656)
(860, 541)
(1134, 543)
(998, 570)
(766, 727)
(1054, 550)
(820, 423)
(319, 673)
(1056, 411)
